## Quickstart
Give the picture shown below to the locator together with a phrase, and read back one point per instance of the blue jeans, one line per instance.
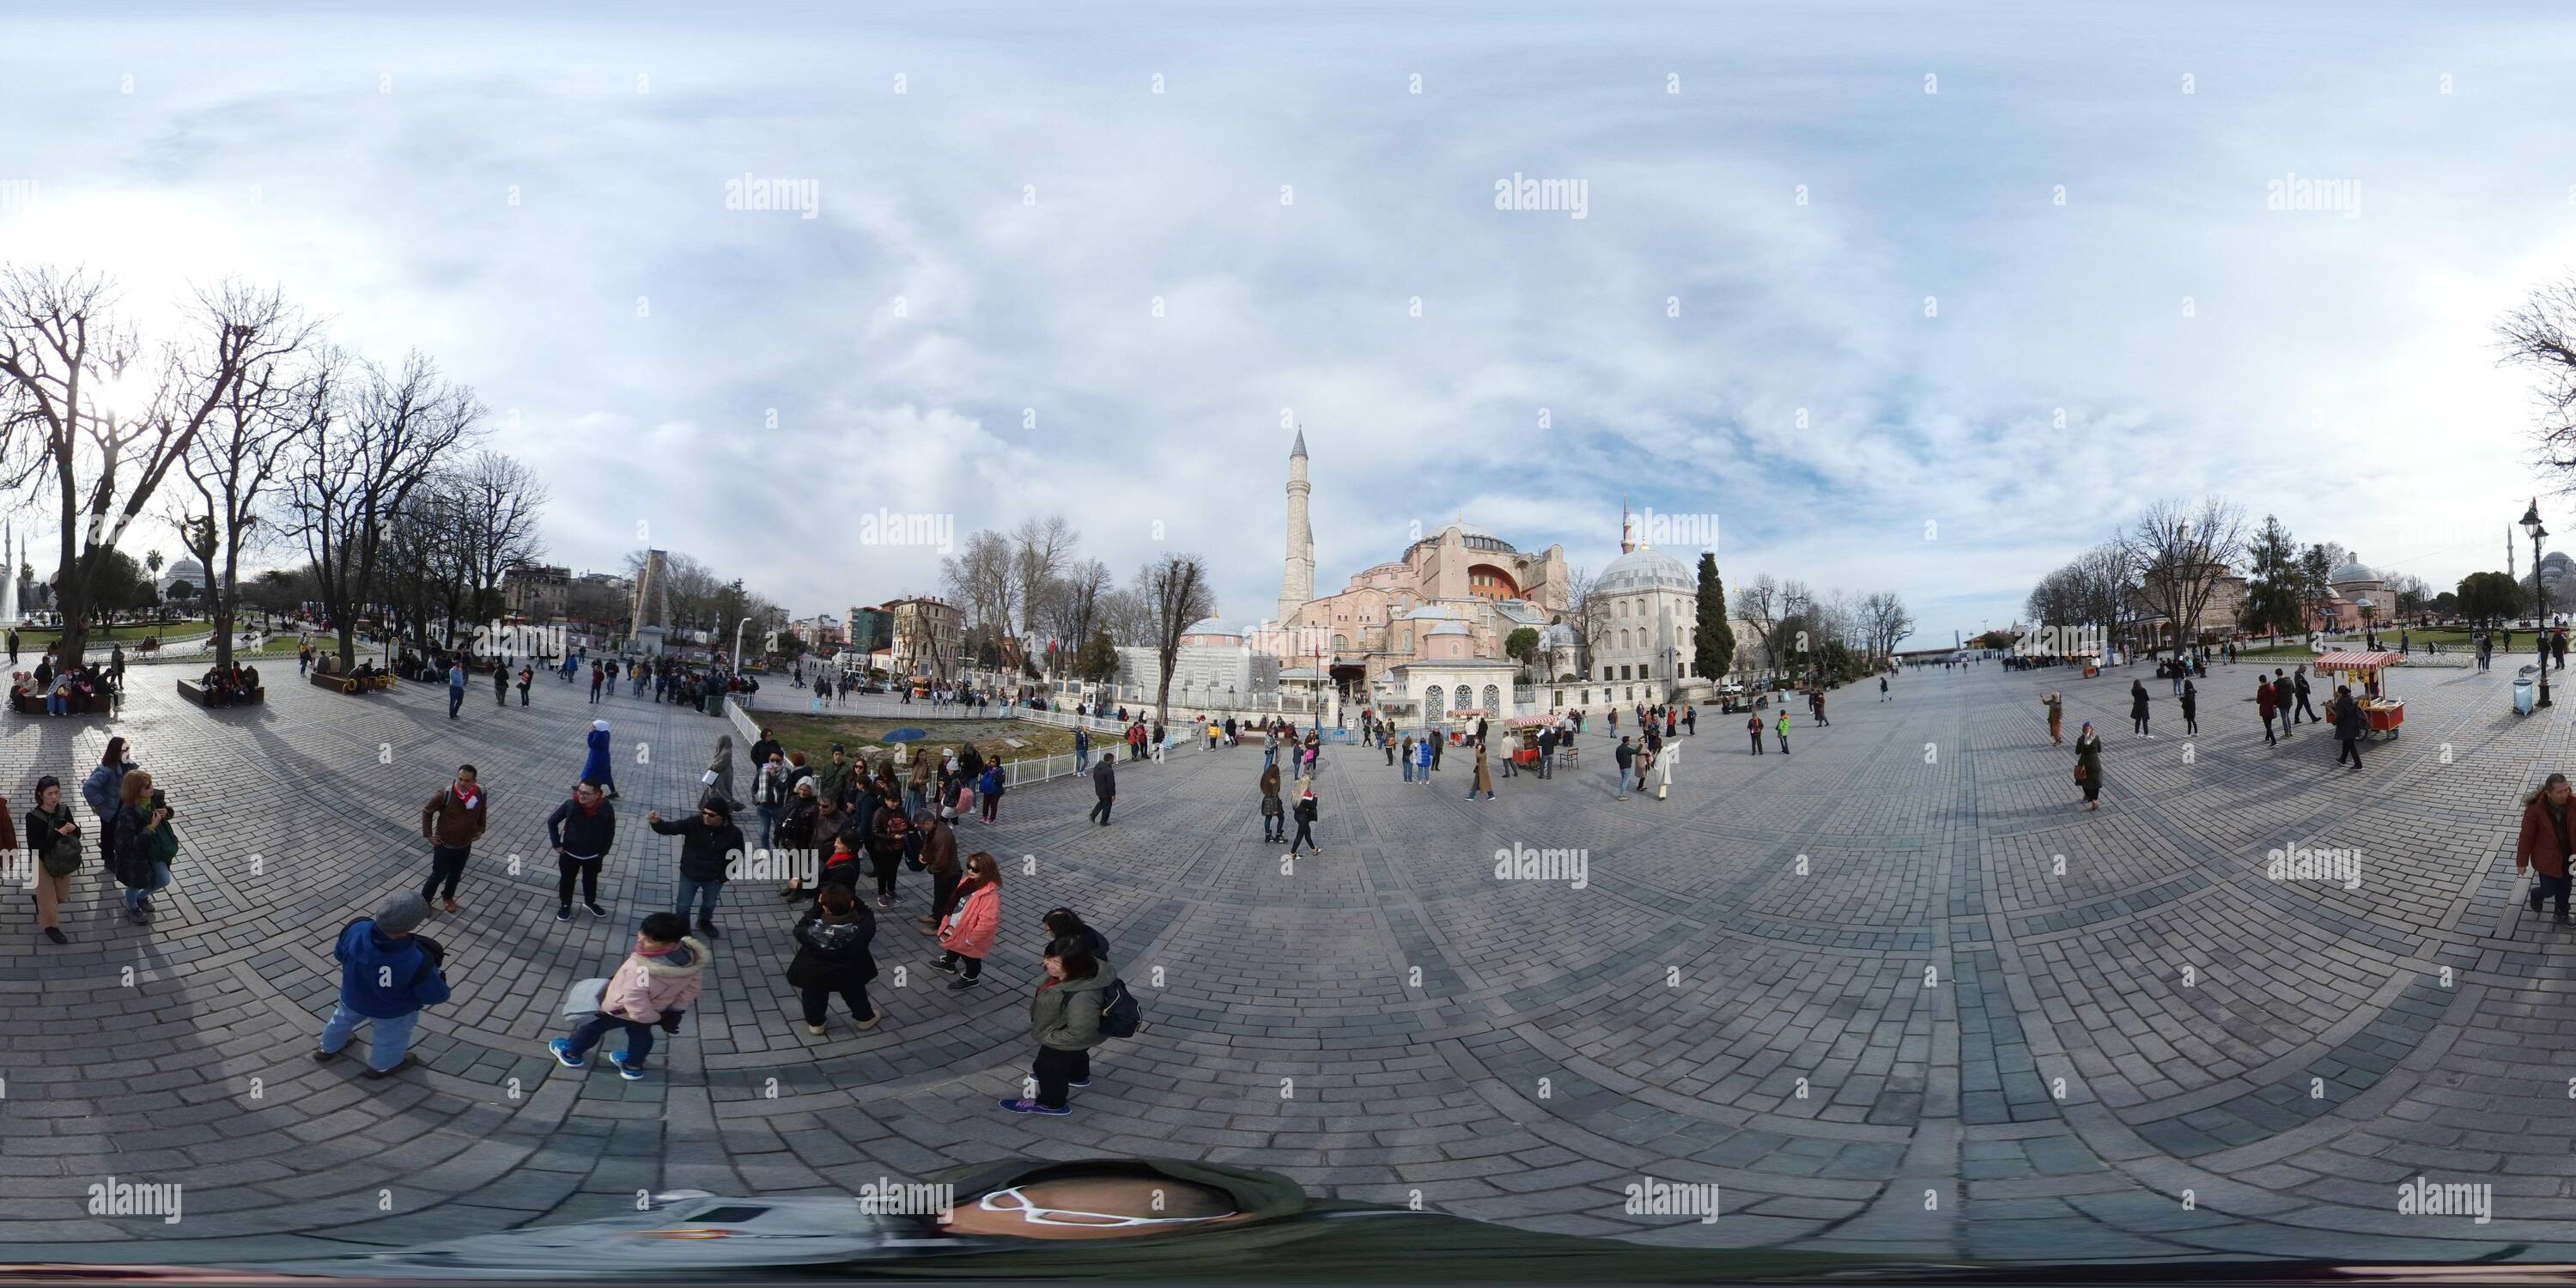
(1081, 760)
(769, 823)
(639, 1037)
(386, 1041)
(706, 893)
(57, 705)
(160, 880)
(455, 699)
(1408, 769)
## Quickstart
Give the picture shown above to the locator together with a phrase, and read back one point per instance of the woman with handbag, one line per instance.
(967, 934)
(1274, 816)
(719, 778)
(2088, 765)
(54, 834)
(888, 834)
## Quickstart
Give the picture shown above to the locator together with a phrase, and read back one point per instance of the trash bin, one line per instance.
(2522, 695)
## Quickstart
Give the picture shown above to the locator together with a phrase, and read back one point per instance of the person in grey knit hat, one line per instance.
(387, 974)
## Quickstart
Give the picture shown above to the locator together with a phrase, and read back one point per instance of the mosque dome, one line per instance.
(1211, 626)
(2351, 574)
(1647, 569)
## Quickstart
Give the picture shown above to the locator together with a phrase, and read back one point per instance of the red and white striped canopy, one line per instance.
(2357, 661)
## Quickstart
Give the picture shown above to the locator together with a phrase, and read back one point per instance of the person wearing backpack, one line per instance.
(1064, 1017)
(832, 956)
(991, 790)
(54, 834)
(1065, 923)
(146, 844)
(387, 974)
(967, 934)
(651, 988)
(1307, 812)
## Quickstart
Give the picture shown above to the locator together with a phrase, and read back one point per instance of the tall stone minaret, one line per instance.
(1297, 584)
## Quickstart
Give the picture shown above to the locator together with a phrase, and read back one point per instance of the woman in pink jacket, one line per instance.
(651, 987)
(968, 932)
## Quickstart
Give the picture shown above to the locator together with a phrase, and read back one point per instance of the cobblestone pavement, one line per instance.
(1856, 987)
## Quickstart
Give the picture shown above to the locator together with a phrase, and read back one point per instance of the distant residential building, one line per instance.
(535, 591)
(927, 638)
(871, 630)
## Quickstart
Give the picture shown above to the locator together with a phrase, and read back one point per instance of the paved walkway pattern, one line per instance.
(1892, 992)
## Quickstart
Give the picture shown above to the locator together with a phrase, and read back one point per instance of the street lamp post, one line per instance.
(2540, 591)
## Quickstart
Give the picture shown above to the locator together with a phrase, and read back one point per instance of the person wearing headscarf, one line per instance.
(594, 766)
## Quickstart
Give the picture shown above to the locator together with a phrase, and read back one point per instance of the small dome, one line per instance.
(1211, 626)
(1448, 628)
(2350, 574)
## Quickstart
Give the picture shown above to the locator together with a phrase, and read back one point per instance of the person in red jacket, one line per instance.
(2545, 842)
(2264, 704)
(967, 935)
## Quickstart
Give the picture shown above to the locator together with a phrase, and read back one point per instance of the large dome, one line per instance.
(1647, 569)
(1211, 626)
(1474, 537)
(2351, 574)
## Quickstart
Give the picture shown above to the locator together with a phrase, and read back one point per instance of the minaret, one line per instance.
(1297, 584)
(1627, 528)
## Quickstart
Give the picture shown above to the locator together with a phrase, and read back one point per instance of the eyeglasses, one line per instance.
(1037, 1215)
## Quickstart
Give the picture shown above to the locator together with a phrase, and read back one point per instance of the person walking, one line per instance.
(1484, 779)
(2056, 718)
(581, 830)
(833, 956)
(1104, 788)
(717, 781)
(388, 973)
(1753, 729)
(2284, 700)
(2267, 708)
(1819, 702)
(652, 989)
(455, 684)
(451, 822)
(2138, 709)
(1306, 813)
(2088, 765)
(1882, 688)
(595, 767)
(890, 835)
(967, 935)
(1782, 729)
(991, 788)
(1664, 762)
(2190, 707)
(2349, 724)
(2544, 844)
(709, 844)
(1082, 750)
(1064, 1018)
(100, 791)
(2299, 683)
(1274, 816)
(1625, 758)
(527, 676)
(598, 677)
(54, 836)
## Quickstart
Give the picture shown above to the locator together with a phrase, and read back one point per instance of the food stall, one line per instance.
(1528, 728)
(2366, 673)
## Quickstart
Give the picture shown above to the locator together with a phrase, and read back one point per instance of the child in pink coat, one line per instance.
(651, 987)
(967, 934)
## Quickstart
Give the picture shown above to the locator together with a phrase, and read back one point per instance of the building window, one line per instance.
(1646, 671)
(1605, 672)
(1431, 704)
(1493, 700)
(1623, 672)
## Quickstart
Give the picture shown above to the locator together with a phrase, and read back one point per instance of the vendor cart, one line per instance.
(2366, 673)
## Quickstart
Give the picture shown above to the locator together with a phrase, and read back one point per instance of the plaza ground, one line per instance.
(1896, 964)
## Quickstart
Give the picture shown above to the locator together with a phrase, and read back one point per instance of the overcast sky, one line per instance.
(967, 326)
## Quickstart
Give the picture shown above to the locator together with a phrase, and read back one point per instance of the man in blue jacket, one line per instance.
(387, 974)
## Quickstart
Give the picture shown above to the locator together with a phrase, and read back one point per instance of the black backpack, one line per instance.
(133, 858)
(1120, 1016)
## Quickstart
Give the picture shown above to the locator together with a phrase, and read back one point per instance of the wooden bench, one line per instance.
(195, 692)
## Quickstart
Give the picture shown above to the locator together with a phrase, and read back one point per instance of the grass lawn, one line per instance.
(176, 633)
(864, 736)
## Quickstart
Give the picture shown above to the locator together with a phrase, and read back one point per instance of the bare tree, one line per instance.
(982, 578)
(108, 419)
(1886, 621)
(2179, 552)
(1757, 604)
(232, 467)
(358, 467)
(1073, 604)
(2541, 335)
(1039, 550)
(1123, 614)
(1175, 590)
(2106, 584)
(496, 503)
(1587, 611)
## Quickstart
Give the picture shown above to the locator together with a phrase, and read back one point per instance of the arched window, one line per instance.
(1341, 643)
(1493, 699)
(1431, 704)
